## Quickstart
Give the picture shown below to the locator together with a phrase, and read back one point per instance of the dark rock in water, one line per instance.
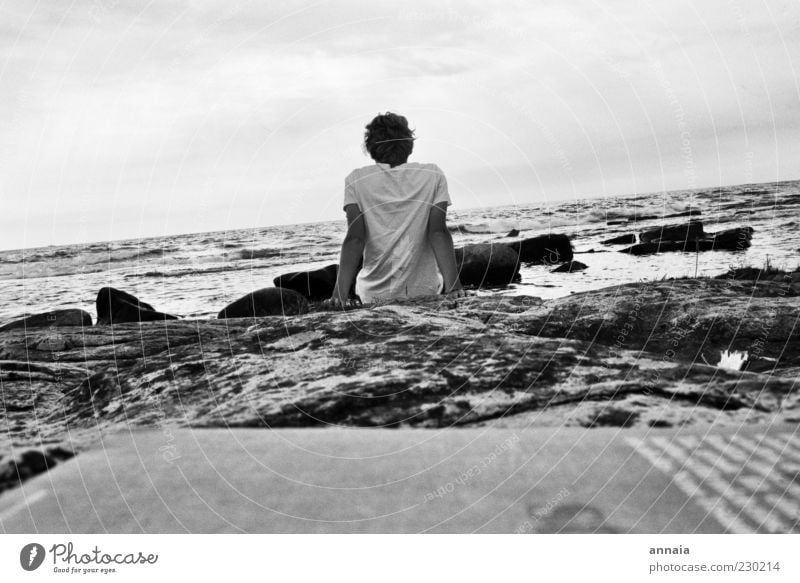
(570, 267)
(736, 239)
(487, 264)
(270, 301)
(660, 247)
(547, 249)
(513, 233)
(628, 239)
(686, 232)
(766, 273)
(730, 240)
(117, 307)
(315, 285)
(56, 318)
(15, 469)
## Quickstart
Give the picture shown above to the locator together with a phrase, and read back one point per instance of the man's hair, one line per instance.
(388, 139)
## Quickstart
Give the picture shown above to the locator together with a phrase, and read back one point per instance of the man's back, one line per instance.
(396, 204)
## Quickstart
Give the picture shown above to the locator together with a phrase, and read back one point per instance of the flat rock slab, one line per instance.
(412, 480)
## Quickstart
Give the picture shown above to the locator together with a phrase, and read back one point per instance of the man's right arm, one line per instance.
(442, 243)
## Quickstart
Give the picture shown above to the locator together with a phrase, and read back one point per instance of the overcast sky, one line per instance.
(123, 118)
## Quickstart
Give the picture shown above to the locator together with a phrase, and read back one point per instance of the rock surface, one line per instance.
(627, 356)
(54, 319)
(118, 307)
(316, 285)
(737, 239)
(269, 301)
(544, 249)
(678, 233)
(570, 267)
(628, 239)
(487, 264)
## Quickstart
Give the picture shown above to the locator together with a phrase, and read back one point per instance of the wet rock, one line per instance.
(487, 264)
(675, 233)
(270, 301)
(513, 233)
(315, 285)
(117, 307)
(629, 355)
(680, 320)
(766, 273)
(544, 249)
(737, 239)
(54, 319)
(628, 239)
(18, 467)
(570, 267)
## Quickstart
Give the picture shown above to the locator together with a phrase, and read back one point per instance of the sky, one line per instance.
(123, 119)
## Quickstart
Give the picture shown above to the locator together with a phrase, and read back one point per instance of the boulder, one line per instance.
(315, 285)
(487, 264)
(54, 319)
(628, 239)
(570, 267)
(546, 249)
(690, 231)
(737, 239)
(513, 233)
(269, 301)
(117, 307)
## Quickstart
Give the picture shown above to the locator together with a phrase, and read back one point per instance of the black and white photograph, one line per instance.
(366, 267)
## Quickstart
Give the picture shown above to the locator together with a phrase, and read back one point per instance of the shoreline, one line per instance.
(626, 356)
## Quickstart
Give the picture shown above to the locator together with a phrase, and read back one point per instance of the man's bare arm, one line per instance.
(351, 254)
(442, 243)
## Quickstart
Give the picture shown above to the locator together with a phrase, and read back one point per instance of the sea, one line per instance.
(196, 275)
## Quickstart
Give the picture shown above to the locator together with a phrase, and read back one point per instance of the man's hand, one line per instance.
(336, 302)
(456, 293)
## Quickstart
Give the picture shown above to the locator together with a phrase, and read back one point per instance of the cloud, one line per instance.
(136, 118)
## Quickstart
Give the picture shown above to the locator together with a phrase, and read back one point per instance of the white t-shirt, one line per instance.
(396, 203)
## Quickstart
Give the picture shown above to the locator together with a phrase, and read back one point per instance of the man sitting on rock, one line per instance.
(396, 217)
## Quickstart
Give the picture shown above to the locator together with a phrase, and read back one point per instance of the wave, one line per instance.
(260, 253)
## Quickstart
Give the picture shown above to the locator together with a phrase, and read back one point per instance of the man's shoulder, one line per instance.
(428, 166)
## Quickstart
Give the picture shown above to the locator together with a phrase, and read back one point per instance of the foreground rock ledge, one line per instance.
(632, 355)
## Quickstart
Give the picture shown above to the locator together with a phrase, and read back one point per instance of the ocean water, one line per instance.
(196, 275)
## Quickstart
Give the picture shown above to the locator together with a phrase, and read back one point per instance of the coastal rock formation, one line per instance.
(20, 466)
(546, 249)
(118, 307)
(315, 285)
(737, 239)
(766, 273)
(683, 320)
(270, 301)
(629, 356)
(54, 319)
(628, 239)
(690, 231)
(570, 267)
(487, 264)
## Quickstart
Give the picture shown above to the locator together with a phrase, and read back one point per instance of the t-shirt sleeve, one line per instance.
(441, 194)
(349, 190)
